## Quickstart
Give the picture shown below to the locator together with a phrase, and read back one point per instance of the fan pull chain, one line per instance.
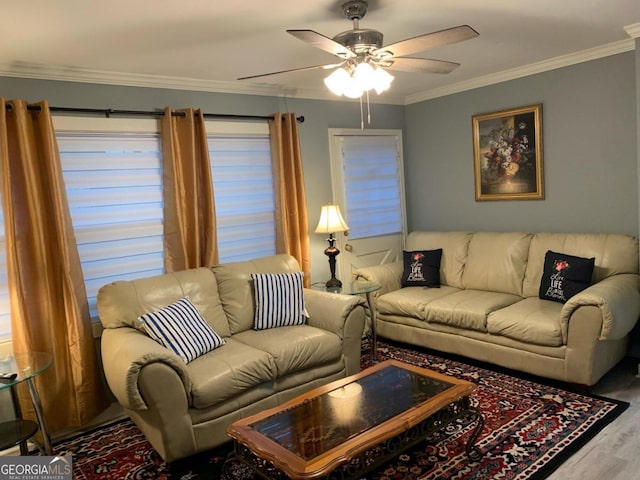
(368, 110)
(361, 115)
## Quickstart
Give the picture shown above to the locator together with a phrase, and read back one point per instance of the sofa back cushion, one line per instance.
(454, 247)
(235, 286)
(614, 254)
(122, 302)
(496, 262)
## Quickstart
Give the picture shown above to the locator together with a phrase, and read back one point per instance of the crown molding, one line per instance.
(73, 74)
(633, 30)
(531, 69)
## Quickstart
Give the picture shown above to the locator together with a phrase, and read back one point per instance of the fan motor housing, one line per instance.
(360, 40)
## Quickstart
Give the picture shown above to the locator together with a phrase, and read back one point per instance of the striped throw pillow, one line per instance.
(279, 300)
(180, 328)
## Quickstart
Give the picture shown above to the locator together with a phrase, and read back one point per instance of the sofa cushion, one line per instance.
(411, 301)
(279, 300)
(421, 268)
(496, 262)
(531, 320)
(454, 246)
(467, 308)
(236, 288)
(564, 276)
(180, 328)
(294, 348)
(227, 372)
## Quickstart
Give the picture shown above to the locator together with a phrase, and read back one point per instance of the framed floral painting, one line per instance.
(507, 151)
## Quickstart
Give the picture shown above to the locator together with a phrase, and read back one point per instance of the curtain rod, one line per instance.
(107, 112)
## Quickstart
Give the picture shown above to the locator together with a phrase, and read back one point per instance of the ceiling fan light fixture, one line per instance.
(337, 80)
(365, 75)
(382, 80)
(354, 82)
(352, 88)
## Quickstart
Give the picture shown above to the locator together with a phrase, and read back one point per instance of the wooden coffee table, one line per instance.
(351, 426)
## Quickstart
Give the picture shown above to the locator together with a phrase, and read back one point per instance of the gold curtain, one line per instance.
(292, 224)
(190, 238)
(49, 310)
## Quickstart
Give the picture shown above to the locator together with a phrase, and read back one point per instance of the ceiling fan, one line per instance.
(363, 59)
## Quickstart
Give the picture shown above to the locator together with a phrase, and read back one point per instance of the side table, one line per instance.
(358, 287)
(25, 366)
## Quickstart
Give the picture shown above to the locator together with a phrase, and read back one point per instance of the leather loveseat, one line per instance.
(489, 305)
(184, 408)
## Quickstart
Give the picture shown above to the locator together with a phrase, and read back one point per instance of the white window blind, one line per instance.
(243, 191)
(371, 185)
(114, 187)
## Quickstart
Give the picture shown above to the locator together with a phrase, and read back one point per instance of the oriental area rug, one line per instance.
(530, 428)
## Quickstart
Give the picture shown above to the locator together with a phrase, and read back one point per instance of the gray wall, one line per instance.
(314, 137)
(590, 153)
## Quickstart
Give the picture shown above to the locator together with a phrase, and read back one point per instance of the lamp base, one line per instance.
(333, 285)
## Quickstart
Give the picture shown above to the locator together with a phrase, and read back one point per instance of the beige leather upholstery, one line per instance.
(185, 408)
(488, 307)
(496, 263)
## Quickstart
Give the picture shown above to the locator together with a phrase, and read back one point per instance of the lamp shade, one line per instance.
(331, 220)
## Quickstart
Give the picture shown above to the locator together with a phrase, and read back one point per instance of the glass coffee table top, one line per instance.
(326, 421)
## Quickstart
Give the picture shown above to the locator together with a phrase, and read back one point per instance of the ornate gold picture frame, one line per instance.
(507, 151)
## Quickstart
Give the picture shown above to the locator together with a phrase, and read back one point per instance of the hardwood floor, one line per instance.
(613, 454)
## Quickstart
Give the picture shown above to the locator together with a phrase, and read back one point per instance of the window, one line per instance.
(243, 190)
(113, 175)
(372, 192)
(112, 170)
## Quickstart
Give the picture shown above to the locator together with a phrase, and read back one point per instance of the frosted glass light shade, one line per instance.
(383, 80)
(365, 75)
(337, 80)
(331, 220)
(353, 82)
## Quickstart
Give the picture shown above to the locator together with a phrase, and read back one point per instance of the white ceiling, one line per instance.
(207, 45)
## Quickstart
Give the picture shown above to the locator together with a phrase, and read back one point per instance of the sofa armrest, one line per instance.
(332, 311)
(125, 352)
(617, 297)
(343, 315)
(388, 275)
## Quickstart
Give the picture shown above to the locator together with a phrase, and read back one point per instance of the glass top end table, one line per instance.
(15, 369)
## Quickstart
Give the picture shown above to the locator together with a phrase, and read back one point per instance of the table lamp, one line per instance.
(331, 221)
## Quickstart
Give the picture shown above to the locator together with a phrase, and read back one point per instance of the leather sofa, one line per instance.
(489, 307)
(184, 408)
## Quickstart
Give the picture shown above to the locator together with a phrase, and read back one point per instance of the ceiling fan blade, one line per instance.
(323, 43)
(421, 65)
(427, 41)
(326, 67)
